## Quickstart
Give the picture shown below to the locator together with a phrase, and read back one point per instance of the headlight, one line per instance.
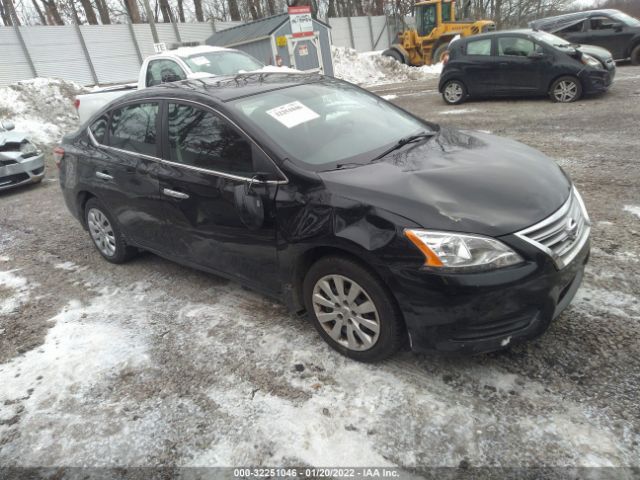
(591, 61)
(28, 149)
(461, 252)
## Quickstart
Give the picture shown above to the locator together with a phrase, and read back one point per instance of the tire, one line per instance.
(373, 305)
(105, 233)
(393, 54)
(635, 55)
(566, 90)
(438, 53)
(454, 92)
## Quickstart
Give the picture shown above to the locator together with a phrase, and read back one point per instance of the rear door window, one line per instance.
(576, 27)
(134, 128)
(601, 23)
(164, 71)
(479, 47)
(515, 47)
(200, 138)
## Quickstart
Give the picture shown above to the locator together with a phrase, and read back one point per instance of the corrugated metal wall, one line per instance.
(260, 50)
(13, 62)
(56, 51)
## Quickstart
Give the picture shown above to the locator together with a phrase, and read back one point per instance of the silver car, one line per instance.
(20, 160)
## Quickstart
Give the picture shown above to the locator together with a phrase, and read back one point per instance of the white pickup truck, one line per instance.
(175, 65)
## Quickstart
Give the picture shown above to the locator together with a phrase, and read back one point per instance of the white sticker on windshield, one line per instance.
(292, 114)
(200, 61)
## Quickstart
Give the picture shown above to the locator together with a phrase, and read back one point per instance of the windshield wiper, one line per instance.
(405, 141)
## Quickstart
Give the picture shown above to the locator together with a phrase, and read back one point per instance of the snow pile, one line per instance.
(42, 107)
(371, 68)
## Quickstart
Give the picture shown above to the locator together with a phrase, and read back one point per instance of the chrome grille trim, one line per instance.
(562, 234)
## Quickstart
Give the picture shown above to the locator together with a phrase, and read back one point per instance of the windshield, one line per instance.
(626, 19)
(551, 39)
(223, 63)
(321, 124)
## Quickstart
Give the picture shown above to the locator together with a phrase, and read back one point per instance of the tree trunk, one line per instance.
(88, 11)
(10, 13)
(331, 10)
(133, 10)
(103, 11)
(5, 18)
(74, 12)
(43, 20)
(165, 9)
(234, 11)
(180, 11)
(198, 6)
(52, 12)
(271, 7)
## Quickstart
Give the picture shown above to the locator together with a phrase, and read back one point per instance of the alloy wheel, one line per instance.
(101, 232)
(346, 312)
(453, 92)
(565, 91)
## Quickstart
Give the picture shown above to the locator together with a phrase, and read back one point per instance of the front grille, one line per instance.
(498, 328)
(5, 162)
(563, 234)
(10, 147)
(13, 179)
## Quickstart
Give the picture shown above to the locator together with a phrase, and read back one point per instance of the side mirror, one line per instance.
(7, 125)
(170, 78)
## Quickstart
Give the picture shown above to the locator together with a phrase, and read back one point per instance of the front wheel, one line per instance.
(352, 310)
(439, 53)
(454, 92)
(566, 90)
(393, 54)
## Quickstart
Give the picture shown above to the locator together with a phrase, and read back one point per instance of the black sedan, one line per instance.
(385, 229)
(524, 63)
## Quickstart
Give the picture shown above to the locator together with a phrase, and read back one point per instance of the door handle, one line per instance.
(104, 176)
(172, 193)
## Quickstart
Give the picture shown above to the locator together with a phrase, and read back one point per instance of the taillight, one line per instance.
(58, 155)
(76, 103)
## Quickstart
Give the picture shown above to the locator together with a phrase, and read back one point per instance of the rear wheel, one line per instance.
(393, 54)
(454, 92)
(635, 55)
(566, 90)
(439, 53)
(352, 310)
(105, 233)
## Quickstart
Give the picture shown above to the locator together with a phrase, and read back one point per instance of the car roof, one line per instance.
(498, 33)
(568, 18)
(222, 89)
(183, 52)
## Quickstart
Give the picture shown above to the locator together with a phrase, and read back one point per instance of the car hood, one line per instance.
(459, 181)
(11, 137)
(600, 53)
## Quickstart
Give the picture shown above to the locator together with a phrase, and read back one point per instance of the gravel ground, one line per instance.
(151, 363)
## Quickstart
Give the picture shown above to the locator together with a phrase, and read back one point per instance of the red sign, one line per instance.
(301, 21)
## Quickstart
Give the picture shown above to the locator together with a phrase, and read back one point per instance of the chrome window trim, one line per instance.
(190, 167)
(561, 262)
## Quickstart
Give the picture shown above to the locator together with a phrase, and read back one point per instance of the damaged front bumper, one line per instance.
(18, 171)
(483, 312)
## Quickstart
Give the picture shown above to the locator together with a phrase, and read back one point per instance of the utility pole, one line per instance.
(152, 22)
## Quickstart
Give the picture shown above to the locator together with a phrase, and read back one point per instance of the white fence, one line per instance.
(107, 54)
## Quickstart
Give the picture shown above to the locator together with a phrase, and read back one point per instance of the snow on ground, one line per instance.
(42, 107)
(459, 111)
(371, 68)
(634, 209)
(14, 291)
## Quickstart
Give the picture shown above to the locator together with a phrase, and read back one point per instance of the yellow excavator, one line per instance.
(436, 26)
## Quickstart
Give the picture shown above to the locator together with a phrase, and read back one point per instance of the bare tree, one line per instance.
(52, 13)
(9, 15)
(103, 11)
(198, 7)
(234, 11)
(88, 11)
(133, 11)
